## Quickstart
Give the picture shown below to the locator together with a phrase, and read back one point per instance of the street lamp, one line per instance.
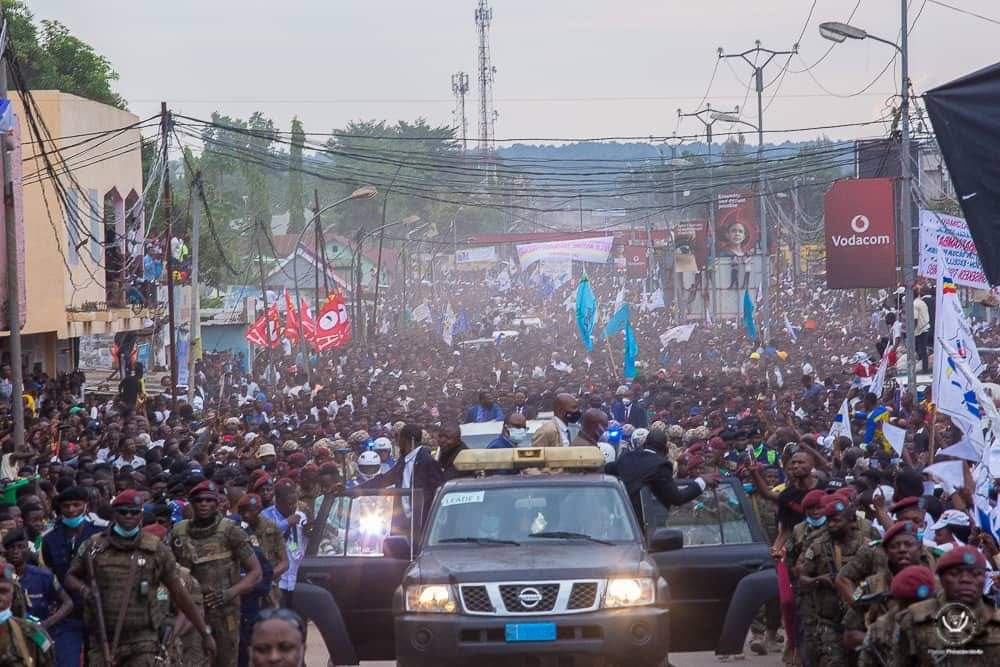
(839, 32)
(408, 220)
(356, 262)
(364, 192)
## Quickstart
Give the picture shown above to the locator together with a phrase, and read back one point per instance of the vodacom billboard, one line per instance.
(860, 241)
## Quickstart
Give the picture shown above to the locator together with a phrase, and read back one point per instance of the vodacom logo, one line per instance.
(860, 224)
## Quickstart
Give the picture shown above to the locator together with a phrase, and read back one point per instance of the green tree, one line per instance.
(296, 206)
(54, 59)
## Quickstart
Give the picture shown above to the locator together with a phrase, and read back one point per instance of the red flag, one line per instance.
(308, 321)
(786, 598)
(291, 320)
(333, 327)
(264, 331)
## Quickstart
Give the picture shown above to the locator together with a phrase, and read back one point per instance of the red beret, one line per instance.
(813, 499)
(717, 443)
(294, 474)
(155, 529)
(961, 557)
(129, 498)
(848, 492)
(262, 480)
(284, 481)
(696, 448)
(834, 505)
(899, 528)
(250, 500)
(912, 501)
(913, 582)
(310, 469)
(695, 461)
(298, 459)
(206, 488)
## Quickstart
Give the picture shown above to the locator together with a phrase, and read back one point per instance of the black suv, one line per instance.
(532, 569)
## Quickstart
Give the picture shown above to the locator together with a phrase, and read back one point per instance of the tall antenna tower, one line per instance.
(459, 87)
(487, 75)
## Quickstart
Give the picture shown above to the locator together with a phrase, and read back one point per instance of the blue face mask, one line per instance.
(748, 487)
(815, 523)
(920, 535)
(121, 532)
(72, 522)
(5, 615)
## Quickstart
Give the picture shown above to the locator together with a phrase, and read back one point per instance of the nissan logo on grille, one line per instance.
(529, 597)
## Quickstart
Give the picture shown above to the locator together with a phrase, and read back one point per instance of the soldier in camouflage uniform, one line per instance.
(128, 568)
(22, 643)
(863, 583)
(958, 626)
(803, 533)
(215, 550)
(822, 559)
(266, 536)
(911, 584)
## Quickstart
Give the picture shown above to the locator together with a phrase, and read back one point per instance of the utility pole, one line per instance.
(487, 76)
(796, 213)
(194, 336)
(459, 87)
(580, 203)
(713, 272)
(906, 223)
(13, 279)
(165, 122)
(321, 249)
(263, 295)
(758, 64)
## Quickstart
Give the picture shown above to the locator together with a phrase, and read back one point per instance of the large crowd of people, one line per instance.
(138, 525)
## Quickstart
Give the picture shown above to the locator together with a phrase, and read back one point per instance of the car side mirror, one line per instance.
(666, 539)
(396, 546)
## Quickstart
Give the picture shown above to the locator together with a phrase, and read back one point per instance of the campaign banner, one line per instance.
(691, 238)
(594, 249)
(635, 261)
(736, 230)
(476, 255)
(948, 236)
(860, 234)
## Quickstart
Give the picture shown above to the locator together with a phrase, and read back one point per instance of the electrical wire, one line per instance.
(966, 12)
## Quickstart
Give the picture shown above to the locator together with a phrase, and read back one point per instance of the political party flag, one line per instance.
(421, 313)
(308, 320)
(264, 331)
(291, 320)
(631, 351)
(586, 312)
(895, 436)
(618, 322)
(791, 330)
(748, 322)
(842, 423)
(951, 328)
(680, 334)
(448, 325)
(879, 382)
(333, 326)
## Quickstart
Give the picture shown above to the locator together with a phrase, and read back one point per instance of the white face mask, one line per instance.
(627, 401)
(517, 435)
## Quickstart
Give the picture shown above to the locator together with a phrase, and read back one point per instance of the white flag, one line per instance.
(790, 329)
(949, 388)
(680, 334)
(448, 325)
(422, 313)
(842, 423)
(896, 437)
(883, 366)
(503, 281)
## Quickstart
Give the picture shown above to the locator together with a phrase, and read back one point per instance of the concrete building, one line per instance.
(78, 249)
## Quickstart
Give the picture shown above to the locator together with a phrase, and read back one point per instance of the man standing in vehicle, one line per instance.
(555, 432)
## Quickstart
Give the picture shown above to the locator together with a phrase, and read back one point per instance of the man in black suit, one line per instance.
(649, 467)
(416, 468)
(522, 407)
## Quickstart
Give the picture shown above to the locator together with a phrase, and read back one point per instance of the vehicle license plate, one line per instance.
(530, 632)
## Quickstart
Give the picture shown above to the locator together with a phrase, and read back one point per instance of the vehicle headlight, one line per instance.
(433, 598)
(629, 592)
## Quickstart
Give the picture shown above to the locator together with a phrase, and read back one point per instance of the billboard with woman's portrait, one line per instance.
(737, 233)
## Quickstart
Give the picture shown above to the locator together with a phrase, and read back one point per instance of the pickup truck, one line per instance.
(370, 566)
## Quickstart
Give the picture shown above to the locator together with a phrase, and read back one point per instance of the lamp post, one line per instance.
(364, 192)
(359, 240)
(409, 220)
(840, 32)
(713, 274)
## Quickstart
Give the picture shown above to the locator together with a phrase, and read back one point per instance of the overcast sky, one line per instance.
(586, 68)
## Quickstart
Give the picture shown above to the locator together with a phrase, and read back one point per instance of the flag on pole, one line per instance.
(842, 423)
(264, 332)
(291, 320)
(791, 330)
(333, 326)
(448, 325)
(748, 322)
(883, 366)
(618, 322)
(951, 328)
(681, 334)
(586, 312)
(631, 351)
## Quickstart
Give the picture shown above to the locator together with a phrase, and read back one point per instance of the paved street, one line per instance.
(316, 656)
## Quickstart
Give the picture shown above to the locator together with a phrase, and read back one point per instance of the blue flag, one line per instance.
(748, 316)
(618, 322)
(631, 351)
(586, 312)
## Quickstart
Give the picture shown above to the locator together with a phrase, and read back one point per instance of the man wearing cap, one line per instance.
(801, 535)
(21, 642)
(952, 529)
(216, 550)
(864, 581)
(59, 548)
(912, 584)
(957, 619)
(48, 602)
(123, 569)
(822, 559)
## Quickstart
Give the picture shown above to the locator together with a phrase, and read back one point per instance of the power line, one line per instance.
(965, 11)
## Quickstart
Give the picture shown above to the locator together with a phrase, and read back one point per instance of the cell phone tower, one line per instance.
(459, 87)
(487, 75)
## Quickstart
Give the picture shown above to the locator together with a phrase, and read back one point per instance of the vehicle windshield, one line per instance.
(516, 513)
